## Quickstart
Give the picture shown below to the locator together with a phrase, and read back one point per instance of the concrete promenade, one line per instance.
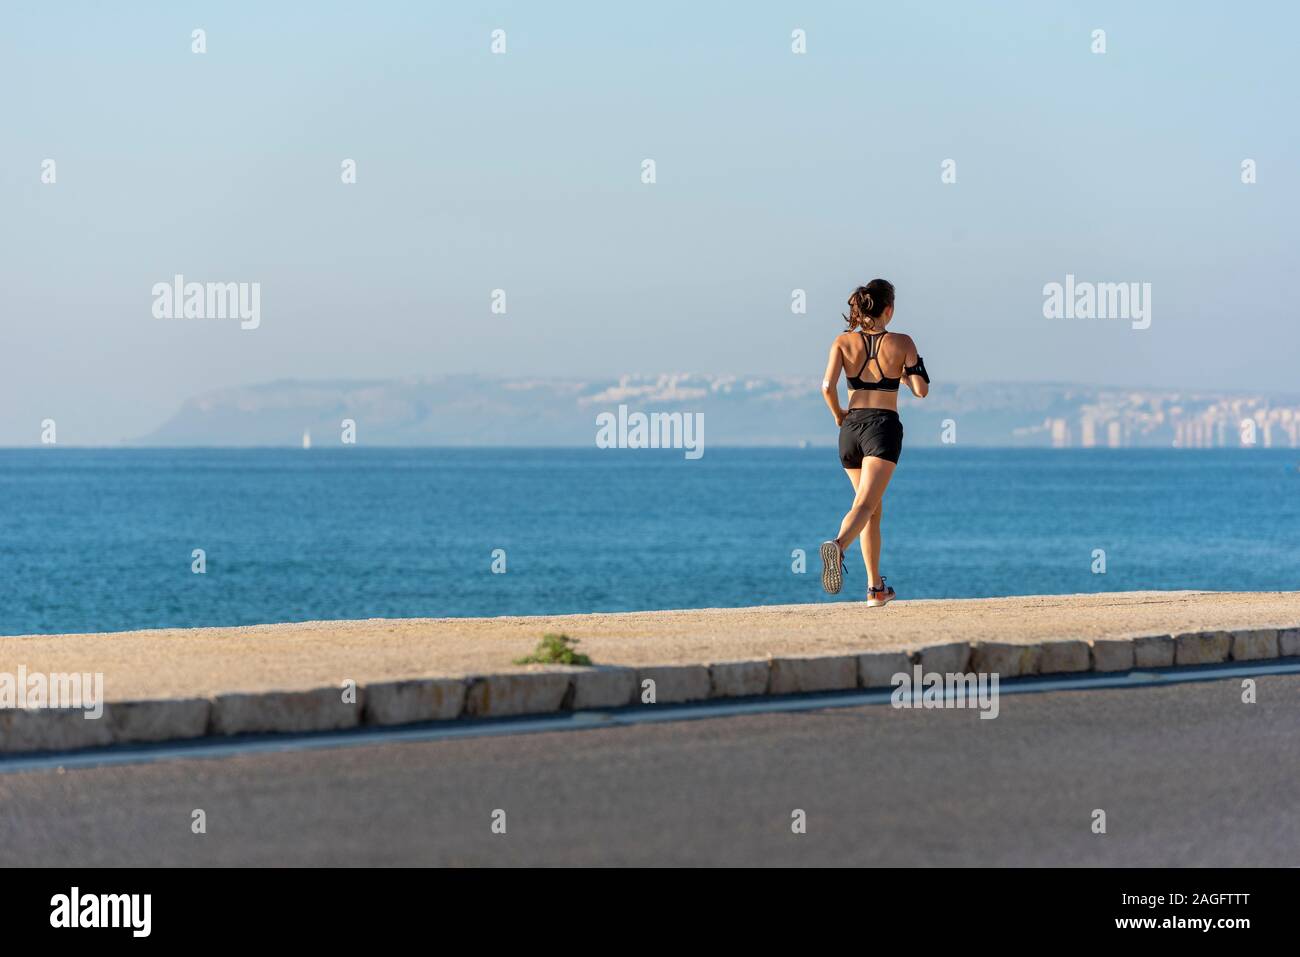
(185, 683)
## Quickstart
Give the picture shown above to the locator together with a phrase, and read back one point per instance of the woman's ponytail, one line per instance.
(867, 304)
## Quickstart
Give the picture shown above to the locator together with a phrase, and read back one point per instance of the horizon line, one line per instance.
(788, 446)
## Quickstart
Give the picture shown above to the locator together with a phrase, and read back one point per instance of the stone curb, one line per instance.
(1153, 651)
(528, 692)
(806, 675)
(1113, 654)
(1064, 657)
(51, 729)
(1008, 660)
(158, 720)
(674, 684)
(1254, 645)
(413, 701)
(739, 679)
(876, 669)
(1202, 647)
(949, 658)
(603, 687)
(416, 700)
(320, 709)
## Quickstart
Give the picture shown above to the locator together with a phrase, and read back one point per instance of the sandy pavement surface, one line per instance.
(206, 661)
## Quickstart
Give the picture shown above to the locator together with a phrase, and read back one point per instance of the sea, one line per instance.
(101, 540)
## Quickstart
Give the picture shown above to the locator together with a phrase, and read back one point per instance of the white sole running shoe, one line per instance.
(880, 596)
(832, 568)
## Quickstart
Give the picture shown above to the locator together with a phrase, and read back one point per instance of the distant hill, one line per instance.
(477, 410)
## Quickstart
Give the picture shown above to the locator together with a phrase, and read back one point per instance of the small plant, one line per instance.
(555, 650)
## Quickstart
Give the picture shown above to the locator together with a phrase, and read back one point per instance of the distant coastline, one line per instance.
(464, 411)
(467, 410)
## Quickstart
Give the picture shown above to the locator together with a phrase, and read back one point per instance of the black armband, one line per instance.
(918, 369)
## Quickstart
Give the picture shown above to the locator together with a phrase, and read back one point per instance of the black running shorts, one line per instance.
(874, 433)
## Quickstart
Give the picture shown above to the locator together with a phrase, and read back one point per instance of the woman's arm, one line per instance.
(914, 374)
(831, 383)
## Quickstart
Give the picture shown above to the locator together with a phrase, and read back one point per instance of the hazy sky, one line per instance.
(522, 171)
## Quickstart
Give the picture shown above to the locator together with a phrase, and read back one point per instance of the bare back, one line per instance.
(869, 362)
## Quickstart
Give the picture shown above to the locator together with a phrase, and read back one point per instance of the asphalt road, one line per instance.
(1186, 774)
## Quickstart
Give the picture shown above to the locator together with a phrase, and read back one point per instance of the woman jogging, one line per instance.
(871, 436)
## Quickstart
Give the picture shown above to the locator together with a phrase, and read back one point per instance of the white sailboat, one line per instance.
(306, 438)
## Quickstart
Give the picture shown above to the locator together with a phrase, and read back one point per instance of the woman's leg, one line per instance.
(872, 481)
(871, 547)
(869, 540)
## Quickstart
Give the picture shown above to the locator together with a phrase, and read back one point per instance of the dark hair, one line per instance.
(868, 302)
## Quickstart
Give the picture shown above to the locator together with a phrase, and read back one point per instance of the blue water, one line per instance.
(101, 540)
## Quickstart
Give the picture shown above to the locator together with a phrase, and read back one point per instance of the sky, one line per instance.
(522, 171)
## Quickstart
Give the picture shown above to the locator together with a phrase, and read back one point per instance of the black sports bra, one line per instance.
(884, 383)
